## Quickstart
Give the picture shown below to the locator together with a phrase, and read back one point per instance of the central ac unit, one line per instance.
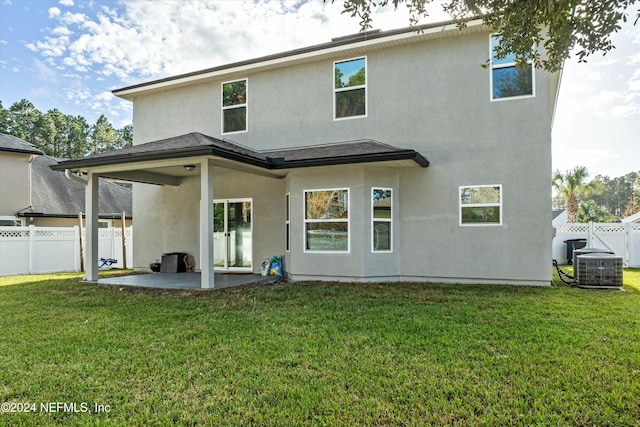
(599, 270)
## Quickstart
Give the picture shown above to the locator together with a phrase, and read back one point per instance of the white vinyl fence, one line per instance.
(33, 250)
(623, 239)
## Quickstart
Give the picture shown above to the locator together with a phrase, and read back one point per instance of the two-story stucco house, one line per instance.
(385, 156)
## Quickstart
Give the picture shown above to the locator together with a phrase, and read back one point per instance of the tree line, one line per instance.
(61, 135)
(602, 199)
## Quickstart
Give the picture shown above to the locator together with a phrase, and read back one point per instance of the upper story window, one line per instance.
(234, 106)
(350, 88)
(481, 205)
(507, 79)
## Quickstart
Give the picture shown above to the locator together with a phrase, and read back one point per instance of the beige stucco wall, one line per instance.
(15, 179)
(171, 224)
(433, 97)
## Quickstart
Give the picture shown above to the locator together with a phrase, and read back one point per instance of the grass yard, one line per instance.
(319, 354)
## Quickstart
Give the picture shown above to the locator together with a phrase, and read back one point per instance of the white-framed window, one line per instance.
(11, 221)
(234, 106)
(350, 88)
(381, 220)
(509, 81)
(287, 221)
(480, 205)
(326, 220)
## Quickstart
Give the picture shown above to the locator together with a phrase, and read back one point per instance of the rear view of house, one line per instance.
(384, 156)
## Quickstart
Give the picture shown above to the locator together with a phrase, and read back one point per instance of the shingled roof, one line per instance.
(12, 144)
(196, 144)
(54, 195)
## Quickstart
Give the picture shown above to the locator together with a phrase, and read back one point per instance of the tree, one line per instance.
(103, 136)
(22, 121)
(60, 135)
(588, 211)
(633, 207)
(52, 133)
(126, 136)
(77, 145)
(571, 186)
(617, 192)
(557, 26)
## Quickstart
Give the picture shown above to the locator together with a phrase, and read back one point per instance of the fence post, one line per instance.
(32, 238)
(627, 244)
(590, 235)
(76, 237)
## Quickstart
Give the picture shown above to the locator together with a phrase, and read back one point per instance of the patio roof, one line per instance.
(195, 144)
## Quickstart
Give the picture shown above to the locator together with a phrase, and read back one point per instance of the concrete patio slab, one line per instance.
(186, 280)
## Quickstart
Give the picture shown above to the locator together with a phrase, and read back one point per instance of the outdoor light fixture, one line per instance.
(190, 168)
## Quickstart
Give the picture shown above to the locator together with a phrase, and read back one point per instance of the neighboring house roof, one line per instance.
(559, 217)
(632, 218)
(15, 145)
(196, 144)
(54, 195)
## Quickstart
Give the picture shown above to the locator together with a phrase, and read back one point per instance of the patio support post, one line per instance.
(206, 224)
(91, 224)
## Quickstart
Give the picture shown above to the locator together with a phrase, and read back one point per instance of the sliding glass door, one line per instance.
(232, 235)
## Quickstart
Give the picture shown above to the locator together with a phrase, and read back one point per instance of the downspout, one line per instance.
(73, 177)
(31, 180)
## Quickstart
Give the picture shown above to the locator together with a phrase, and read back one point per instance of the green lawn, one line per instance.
(319, 354)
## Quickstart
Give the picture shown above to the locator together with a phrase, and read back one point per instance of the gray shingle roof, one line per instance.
(16, 145)
(54, 195)
(197, 144)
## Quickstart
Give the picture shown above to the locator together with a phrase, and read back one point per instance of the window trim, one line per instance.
(350, 88)
(507, 65)
(287, 222)
(480, 205)
(312, 221)
(374, 220)
(231, 107)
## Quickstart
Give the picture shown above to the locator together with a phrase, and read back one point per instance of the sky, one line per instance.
(70, 55)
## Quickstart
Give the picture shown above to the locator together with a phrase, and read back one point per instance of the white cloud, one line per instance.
(73, 18)
(144, 40)
(67, 3)
(53, 12)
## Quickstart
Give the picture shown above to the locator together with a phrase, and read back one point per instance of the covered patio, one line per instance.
(187, 281)
(186, 165)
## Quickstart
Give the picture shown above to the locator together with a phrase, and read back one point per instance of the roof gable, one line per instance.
(10, 143)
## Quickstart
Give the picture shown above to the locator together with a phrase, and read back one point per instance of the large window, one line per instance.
(381, 220)
(234, 106)
(481, 205)
(326, 220)
(507, 79)
(350, 88)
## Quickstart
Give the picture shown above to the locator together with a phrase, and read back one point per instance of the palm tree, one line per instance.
(571, 186)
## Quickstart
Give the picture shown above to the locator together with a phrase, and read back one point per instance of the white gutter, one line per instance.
(73, 177)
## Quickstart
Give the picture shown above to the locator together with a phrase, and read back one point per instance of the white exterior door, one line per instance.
(233, 235)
